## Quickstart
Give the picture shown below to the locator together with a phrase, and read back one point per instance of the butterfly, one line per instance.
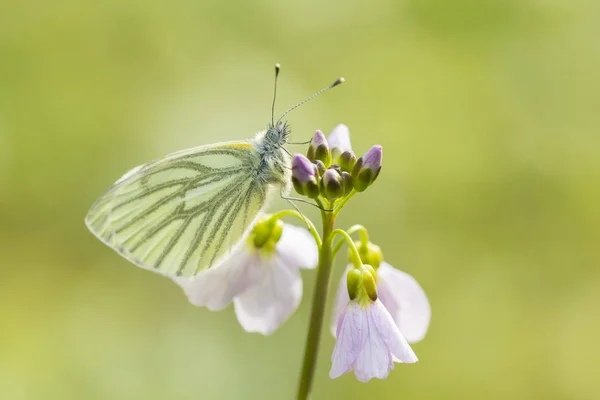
(183, 213)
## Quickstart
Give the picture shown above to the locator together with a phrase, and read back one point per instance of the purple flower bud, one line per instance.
(346, 161)
(348, 184)
(304, 176)
(318, 149)
(332, 185)
(321, 168)
(367, 168)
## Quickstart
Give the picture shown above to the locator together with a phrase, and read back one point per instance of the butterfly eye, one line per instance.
(273, 135)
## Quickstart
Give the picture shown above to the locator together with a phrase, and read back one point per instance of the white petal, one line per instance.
(275, 296)
(340, 138)
(341, 300)
(375, 359)
(297, 247)
(405, 300)
(351, 335)
(387, 331)
(216, 287)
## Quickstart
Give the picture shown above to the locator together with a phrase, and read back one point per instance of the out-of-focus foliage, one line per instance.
(488, 115)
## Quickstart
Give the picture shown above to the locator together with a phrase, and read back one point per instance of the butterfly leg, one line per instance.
(291, 199)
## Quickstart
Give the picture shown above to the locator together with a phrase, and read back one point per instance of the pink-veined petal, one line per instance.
(383, 323)
(340, 302)
(351, 335)
(375, 358)
(270, 302)
(216, 287)
(405, 300)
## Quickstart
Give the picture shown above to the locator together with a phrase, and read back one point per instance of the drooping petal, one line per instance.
(215, 288)
(375, 359)
(341, 300)
(383, 324)
(297, 247)
(275, 296)
(405, 300)
(352, 332)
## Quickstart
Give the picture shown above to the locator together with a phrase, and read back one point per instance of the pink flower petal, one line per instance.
(272, 300)
(405, 300)
(352, 333)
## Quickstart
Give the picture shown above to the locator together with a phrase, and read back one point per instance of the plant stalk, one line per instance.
(313, 338)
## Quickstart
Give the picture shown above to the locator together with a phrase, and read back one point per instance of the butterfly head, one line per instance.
(277, 134)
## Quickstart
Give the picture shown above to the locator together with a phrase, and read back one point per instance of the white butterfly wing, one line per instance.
(181, 214)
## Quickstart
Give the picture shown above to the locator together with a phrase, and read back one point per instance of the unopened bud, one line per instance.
(321, 168)
(348, 185)
(332, 185)
(370, 254)
(318, 149)
(367, 168)
(305, 176)
(346, 161)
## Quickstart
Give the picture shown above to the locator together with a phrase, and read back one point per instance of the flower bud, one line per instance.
(346, 161)
(348, 185)
(367, 168)
(321, 168)
(369, 282)
(332, 185)
(318, 149)
(305, 176)
(353, 279)
(369, 253)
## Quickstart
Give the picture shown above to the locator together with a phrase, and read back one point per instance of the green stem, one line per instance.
(351, 245)
(309, 224)
(318, 308)
(343, 202)
(364, 237)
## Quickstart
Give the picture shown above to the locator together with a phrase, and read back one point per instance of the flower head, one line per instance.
(368, 340)
(401, 295)
(261, 277)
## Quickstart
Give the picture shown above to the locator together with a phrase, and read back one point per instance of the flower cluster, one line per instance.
(378, 309)
(330, 168)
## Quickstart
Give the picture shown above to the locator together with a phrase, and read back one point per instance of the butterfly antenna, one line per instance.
(277, 68)
(334, 84)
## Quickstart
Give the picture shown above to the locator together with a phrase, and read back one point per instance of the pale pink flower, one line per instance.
(368, 342)
(401, 295)
(264, 284)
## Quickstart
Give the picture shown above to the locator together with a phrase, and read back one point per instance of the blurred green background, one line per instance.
(488, 112)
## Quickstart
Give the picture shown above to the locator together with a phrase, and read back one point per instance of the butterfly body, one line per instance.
(274, 167)
(181, 214)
